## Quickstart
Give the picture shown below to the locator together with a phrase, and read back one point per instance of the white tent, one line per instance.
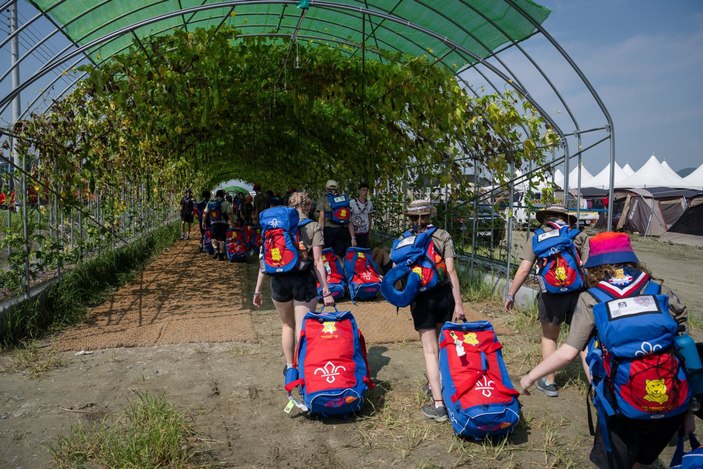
(574, 178)
(602, 179)
(653, 174)
(628, 169)
(695, 179)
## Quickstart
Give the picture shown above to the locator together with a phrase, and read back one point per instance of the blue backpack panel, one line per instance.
(559, 263)
(476, 388)
(330, 365)
(417, 264)
(634, 367)
(340, 212)
(279, 232)
(214, 208)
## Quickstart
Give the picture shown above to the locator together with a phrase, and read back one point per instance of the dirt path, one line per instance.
(223, 366)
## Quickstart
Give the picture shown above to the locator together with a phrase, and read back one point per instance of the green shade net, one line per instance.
(452, 32)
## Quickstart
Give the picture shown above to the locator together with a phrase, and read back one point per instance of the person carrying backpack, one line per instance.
(629, 321)
(434, 306)
(294, 293)
(187, 206)
(198, 210)
(558, 249)
(219, 213)
(334, 215)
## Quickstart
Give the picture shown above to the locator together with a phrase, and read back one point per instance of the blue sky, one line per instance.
(645, 60)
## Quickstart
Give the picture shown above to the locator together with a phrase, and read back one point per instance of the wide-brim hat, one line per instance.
(610, 248)
(332, 184)
(555, 210)
(421, 207)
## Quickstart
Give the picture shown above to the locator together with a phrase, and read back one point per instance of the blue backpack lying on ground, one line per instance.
(476, 388)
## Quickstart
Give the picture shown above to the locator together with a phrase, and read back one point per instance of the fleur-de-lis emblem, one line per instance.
(274, 223)
(329, 371)
(646, 348)
(486, 386)
(366, 275)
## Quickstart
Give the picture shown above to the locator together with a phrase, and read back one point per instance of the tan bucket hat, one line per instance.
(421, 207)
(555, 210)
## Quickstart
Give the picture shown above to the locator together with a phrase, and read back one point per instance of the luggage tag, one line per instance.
(460, 352)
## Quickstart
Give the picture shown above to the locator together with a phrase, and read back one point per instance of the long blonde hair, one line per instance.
(300, 201)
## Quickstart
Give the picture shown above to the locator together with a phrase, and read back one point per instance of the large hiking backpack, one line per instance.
(476, 388)
(214, 209)
(237, 249)
(361, 273)
(417, 264)
(687, 460)
(559, 262)
(330, 365)
(279, 232)
(340, 211)
(335, 275)
(207, 242)
(634, 368)
(198, 209)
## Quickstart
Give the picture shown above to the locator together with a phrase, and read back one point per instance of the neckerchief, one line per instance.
(625, 282)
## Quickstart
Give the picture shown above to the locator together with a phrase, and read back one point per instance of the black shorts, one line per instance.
(556, 309)
(218, 231)
(362, 240)
(634, 441)
(298, 286)
(337, 238)
(433, 307)
(188, 218)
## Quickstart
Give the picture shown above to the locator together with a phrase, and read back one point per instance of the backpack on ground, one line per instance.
(331, 368)
(252, 235)
(214, 209)
(476, 388)
(207, 242)
(279, 233)
(418, 266)
(559, 262)
(237, 249)
(336, 281)
(363, 279)
(635, 370)
(340, 211)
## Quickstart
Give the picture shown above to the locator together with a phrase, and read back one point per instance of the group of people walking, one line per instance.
(605, 260)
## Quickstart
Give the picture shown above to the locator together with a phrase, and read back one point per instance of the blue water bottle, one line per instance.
(686, 349)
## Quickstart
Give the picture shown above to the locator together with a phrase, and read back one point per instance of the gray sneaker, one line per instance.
(549, 389)
(438, 414)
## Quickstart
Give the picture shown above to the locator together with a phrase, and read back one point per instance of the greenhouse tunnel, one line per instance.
(110, 108)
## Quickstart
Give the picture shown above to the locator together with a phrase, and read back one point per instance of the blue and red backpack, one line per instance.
(237, 249)
(331, 368)
(363, 279)
(417, 263)
(340, 211)
(214, 211)
(336, 281)
(476, 388)
(279, 232)
(559, 262)
(207, 242)
(634, 367)
(252, 235)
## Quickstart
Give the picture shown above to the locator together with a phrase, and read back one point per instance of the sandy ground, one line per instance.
(184, 328)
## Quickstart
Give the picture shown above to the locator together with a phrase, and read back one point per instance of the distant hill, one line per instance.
(685, 172)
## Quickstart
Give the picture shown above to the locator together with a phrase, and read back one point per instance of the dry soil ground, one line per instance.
(184, 328)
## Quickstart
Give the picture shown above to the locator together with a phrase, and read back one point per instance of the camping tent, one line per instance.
(653, 174)
(688, 229)
(650, 211)
(573, 178)
(628, 169)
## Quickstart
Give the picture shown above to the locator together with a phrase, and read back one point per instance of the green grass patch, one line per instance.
(66, 302)
(34, 361)
(150, 432)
